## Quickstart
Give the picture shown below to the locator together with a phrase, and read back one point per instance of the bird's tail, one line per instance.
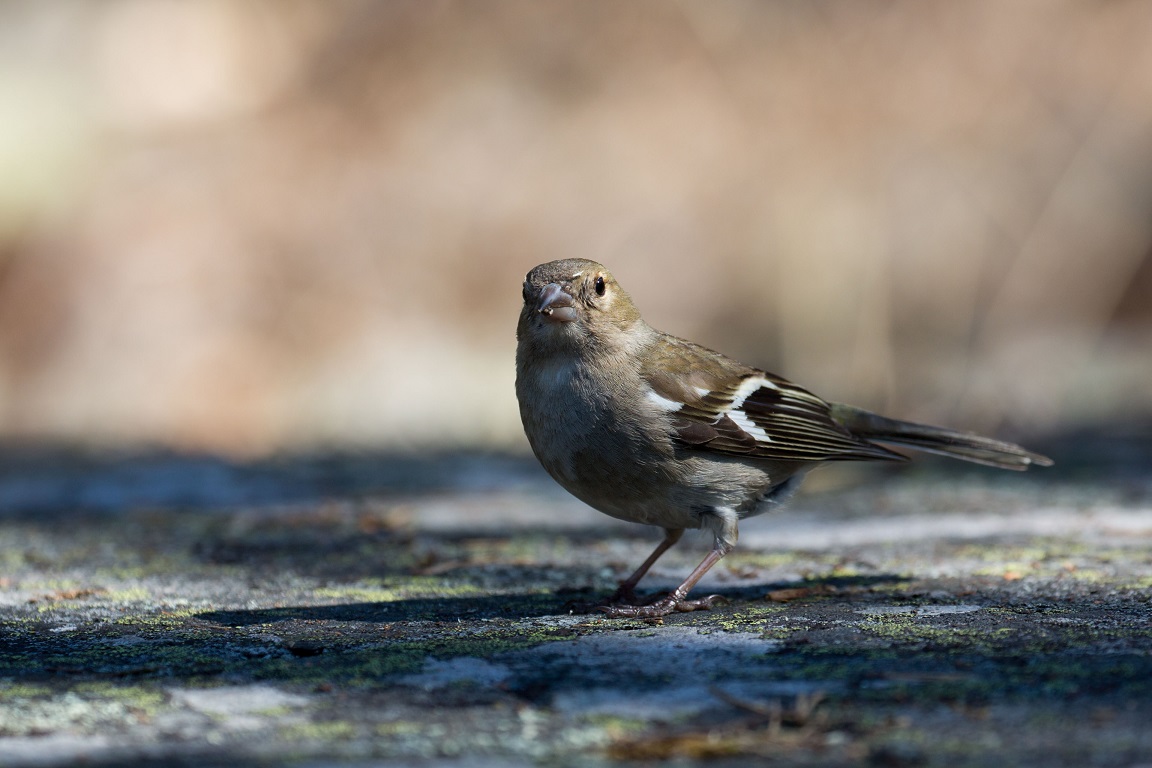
(948, 442)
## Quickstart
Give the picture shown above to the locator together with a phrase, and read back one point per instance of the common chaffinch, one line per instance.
(650, 428)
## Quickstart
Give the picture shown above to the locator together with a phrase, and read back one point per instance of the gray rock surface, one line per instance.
(359, 609)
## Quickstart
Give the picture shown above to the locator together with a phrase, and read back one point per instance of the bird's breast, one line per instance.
(584, 428)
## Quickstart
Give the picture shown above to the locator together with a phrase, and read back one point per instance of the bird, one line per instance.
(650, 428)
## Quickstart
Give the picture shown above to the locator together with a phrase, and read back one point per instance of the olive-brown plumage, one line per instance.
(653, 429)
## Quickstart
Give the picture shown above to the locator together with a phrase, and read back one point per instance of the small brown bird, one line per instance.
(653, 429)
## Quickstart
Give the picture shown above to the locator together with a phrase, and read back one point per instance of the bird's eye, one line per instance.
(599, 285)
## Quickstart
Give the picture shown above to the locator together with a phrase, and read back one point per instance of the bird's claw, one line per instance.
(662, 607)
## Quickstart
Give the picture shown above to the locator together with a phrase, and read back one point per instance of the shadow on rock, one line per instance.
(524, 606)
(515, 606)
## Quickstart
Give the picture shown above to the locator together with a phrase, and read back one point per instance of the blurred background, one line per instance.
(250, 226)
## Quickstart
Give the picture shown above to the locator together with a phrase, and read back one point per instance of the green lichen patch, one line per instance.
(402, 588)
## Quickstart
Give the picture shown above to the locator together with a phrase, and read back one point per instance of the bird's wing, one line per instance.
(716, 404)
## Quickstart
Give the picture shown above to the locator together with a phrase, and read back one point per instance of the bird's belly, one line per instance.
(614, 481)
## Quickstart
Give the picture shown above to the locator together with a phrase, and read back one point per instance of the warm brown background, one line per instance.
(248, 226)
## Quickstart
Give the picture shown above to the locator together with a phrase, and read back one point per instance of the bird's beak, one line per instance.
(556, 305)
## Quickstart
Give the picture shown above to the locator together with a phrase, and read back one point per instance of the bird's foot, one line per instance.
(662, 607)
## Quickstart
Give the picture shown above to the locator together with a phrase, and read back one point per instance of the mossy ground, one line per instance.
(347, 630)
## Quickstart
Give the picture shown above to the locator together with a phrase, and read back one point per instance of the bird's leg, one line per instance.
(722, 522)
(674, 600)
(626, 592)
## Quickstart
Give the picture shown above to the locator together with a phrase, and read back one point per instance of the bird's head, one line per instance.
(573, 301)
